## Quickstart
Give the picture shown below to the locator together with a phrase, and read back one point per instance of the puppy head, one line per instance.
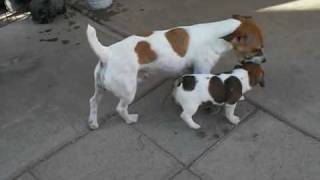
(188, 83)
(256, 73)
(247, 39)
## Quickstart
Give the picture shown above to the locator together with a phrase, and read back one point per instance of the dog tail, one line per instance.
(97, 47)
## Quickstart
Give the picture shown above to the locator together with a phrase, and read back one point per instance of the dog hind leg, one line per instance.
(94, 104)
(126, 98)
(187, 114)
(122, 109)
(229, 110)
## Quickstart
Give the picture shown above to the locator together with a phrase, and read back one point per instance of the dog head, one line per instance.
(255, 72)
(247, 40)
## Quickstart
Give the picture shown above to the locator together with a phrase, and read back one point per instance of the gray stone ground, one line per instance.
(46, 82)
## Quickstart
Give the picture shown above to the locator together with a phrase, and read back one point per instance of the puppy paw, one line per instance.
(234, 120)
(133, 118)
(93, 125)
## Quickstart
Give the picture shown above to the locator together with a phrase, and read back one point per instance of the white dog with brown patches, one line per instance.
(226, 89)
(173, 50)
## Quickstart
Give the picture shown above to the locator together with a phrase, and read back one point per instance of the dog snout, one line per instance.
(261, 54)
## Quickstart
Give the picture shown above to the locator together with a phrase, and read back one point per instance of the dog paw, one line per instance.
(93, 125)
(133, 118)
(194, 126)
(234, 120)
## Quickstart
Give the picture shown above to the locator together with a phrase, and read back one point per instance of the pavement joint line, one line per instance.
(195, 174)
(184, 169)
(112, 28)
(33, 175)
(220, 141)
(177, 173)
(159, 146)
(283, 120)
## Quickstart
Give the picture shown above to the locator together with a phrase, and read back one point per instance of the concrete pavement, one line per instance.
(46, 81)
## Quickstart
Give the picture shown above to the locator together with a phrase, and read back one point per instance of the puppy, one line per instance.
(199, 46)
(226, 89)
(44, 11)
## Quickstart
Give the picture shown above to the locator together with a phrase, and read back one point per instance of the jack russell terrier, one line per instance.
(190, 91)
(199, 46)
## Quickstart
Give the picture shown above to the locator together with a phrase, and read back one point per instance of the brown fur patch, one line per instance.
(233, 89)
(179, 40)
(247, 37)
(217, 89)
(145, 53)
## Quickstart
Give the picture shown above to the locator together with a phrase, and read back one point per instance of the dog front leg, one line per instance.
(229, 110)
(122, 109)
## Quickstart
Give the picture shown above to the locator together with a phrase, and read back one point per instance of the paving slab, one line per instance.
(262, 148)
(291, 38)
(186, 175)
(46, 80)
(116, 151)
(160, 120)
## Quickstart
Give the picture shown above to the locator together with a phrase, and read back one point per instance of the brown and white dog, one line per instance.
(226, 89)
(172, 50)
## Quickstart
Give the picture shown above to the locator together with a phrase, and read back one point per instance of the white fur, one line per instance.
(119, 68)
(191, 100)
